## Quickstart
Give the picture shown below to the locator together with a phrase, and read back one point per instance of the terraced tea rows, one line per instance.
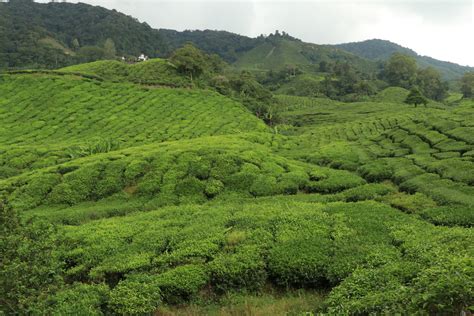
(49, 119)
(33, 111)
(428, 154)
(169, 196)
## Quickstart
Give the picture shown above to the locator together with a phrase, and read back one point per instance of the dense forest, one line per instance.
(54, 35)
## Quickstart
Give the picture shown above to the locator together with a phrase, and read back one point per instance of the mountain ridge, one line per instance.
(55, 35)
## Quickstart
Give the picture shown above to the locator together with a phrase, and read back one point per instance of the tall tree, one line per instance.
(430, 83)
(467, 84)
(416, 97)
(109, 49)
(400, 70)
(189, 60)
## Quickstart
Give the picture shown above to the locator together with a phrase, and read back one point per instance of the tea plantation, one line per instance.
(178, 200)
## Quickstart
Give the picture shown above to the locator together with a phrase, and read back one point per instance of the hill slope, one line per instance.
(199, 199)
(42, 35)
(377, 49)
(277, 52)
(58, 34)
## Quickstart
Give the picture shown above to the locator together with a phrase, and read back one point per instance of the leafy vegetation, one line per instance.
(185, 186)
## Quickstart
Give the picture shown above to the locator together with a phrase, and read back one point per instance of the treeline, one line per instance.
(343, 81)
(207, 70)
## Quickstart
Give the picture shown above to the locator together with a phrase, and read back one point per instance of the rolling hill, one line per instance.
(55, 35)
(377, 49)
(183, 197)
(137, 189)
(279, 51)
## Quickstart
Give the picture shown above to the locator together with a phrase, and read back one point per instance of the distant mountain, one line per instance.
(279, 51)
(376, 49)
(225, 44)
(54, 35)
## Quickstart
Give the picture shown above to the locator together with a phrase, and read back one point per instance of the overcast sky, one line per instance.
(443, 29)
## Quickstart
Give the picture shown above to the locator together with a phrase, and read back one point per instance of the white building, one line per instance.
(142, 57)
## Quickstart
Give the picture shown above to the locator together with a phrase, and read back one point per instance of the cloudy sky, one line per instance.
(443, 29)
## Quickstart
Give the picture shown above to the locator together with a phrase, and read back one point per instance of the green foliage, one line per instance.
(136, 295)
(415, 97)
(382, 50)
(400, 70)
(189, 198)
(80, 299)
(242, 270)
(467, 85)
(30, 268)
(39, 35)
(429, 81)
(182, 283)
(453, 215)
(189, 60)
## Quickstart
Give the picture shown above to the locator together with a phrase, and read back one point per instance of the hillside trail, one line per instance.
(270, 52)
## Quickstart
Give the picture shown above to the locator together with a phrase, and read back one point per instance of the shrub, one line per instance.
(30, 268)
(243, 269)
(369, 191)
(35, 191)
(112, 179)
(80, 299)
(77, 186)
(451, 215)
(213, 188)
(291, 182)
(445, 288)
(336, 182)
(135, 170)
(264, 185)
(376, 171)
(411, 203)
(371, 291)
(182, 283)
(136, 295)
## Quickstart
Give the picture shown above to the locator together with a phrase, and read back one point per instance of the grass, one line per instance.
(178, 201)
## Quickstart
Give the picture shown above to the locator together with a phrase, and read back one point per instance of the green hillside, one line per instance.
(280, 51)
(376, 49)
(173, 200)
(47, 119)
(286, 178)
(152, 72)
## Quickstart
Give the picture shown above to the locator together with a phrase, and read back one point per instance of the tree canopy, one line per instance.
(400, 71)
(416, 97)
(467, 84)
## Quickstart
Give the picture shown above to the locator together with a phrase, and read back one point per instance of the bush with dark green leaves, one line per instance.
(30, 265)
(136, 295)
(182, 283)
(80, 299)
(242, 269)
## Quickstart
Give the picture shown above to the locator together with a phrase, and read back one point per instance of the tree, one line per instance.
(29, 266)
(467, 84)
(75, 44)
(400, 70)
(109, 49)
(91, 53)
(416, 97)
(189, 60)
(430, 83)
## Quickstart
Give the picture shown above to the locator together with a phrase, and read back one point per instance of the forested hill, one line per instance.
(54, 35)
(376, 49)
(57, 34)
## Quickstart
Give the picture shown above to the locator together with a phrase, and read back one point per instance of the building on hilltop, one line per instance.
(142, 57)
